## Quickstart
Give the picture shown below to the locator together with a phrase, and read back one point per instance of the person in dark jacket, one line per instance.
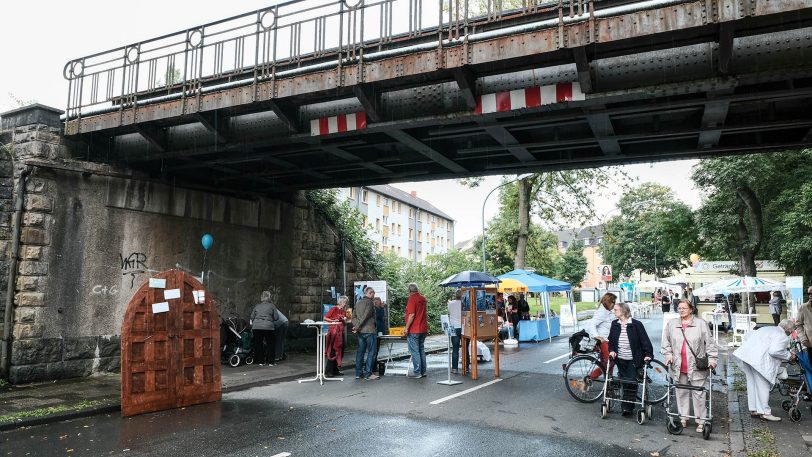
(630, 347)
(263, 324)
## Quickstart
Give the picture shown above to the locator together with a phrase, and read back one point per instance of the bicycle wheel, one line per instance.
(578, 376)
(657, 382)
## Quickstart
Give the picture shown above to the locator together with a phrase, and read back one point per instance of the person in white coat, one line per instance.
(760, 356)
(598, 327)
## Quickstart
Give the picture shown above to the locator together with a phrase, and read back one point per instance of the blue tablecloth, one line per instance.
(537, 330)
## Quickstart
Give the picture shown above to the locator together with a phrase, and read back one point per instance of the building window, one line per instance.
(365, 197)
(378, 225)
(393, 228)
(377, 200)
(411, 234)
(419, 235)
(399, 228)
(398, 250)
(411, 213)
(448, 244)
(448, 226)
(353, 192)
(411, 253)
(366, 221)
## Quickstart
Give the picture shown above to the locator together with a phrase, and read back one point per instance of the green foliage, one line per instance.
(399, 272)
(572, 265)
(349, 222)
(651, 224)
(779, 182)
(500, 246)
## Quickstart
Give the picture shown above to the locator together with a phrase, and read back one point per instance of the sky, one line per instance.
(38, 37)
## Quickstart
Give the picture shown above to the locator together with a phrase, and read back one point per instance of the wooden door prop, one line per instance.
(170, 346)
(479, 323)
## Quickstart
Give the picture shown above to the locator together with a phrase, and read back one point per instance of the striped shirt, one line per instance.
(624, 349)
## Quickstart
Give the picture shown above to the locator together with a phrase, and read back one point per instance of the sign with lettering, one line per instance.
(724, 266)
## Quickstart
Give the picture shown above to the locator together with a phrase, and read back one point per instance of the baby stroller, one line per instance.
(236, 341)
(795, 384)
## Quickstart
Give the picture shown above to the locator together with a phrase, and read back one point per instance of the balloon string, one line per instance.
(203, 271)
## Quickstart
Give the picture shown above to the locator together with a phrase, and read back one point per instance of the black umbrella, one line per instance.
(469, 279)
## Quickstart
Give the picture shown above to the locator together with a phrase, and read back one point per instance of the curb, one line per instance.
(736, 426)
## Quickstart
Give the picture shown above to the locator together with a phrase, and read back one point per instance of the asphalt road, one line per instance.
(526, 411)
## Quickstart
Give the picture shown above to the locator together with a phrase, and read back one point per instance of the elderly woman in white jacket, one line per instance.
(759, 357)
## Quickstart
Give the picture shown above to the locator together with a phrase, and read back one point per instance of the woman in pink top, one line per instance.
(681, 336)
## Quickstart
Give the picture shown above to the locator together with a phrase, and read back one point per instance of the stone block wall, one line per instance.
(90, 236)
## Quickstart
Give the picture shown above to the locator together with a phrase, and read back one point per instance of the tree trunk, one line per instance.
(750, 238)
(524, 186)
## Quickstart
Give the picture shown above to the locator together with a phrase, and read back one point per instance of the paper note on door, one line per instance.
(199, 296)
(157, 283)
(169, 294)
(161, 307)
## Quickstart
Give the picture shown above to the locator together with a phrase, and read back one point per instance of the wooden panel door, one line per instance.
(169, 359)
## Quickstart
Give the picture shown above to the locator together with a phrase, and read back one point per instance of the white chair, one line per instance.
(741, 327)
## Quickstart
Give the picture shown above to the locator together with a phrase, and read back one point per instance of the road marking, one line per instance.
(458, 394)
(282, 454)
(558, 358)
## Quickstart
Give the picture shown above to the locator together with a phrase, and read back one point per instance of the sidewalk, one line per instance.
(756, 437)
(34, 404)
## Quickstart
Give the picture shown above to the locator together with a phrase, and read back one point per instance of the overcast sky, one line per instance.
(38, 37)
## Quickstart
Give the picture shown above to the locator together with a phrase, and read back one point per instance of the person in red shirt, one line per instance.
(416, 330)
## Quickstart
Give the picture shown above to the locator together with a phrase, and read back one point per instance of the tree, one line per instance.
(653, 233)
(557, 198)
(572, 266)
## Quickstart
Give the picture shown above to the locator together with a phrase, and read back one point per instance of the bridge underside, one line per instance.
(697, 90)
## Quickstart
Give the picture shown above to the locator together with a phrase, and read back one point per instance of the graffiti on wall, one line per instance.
(133, 265)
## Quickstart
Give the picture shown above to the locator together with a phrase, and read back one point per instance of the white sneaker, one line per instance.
(770, 417)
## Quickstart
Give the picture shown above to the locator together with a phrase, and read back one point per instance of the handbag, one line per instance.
(702, 363)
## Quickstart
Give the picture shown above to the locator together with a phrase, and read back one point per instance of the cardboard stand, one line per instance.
(478, 325)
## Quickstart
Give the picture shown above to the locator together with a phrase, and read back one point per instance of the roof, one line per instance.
(536, 282)
(591, 232)
(406, 197)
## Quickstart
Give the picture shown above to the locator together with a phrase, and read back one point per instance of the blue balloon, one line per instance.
(207, 241)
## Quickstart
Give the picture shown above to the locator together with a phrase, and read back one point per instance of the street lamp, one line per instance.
(484, 237)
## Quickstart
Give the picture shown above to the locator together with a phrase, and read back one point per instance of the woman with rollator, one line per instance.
(630, 348)
(684, 341)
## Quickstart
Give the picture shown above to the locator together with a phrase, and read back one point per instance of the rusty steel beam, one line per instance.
(155, 136)
(497, 54)
(422, 148)
(506, 139)
(286, 112)
(601, 125)
(370, 99)
(216, 124)
(466, 81)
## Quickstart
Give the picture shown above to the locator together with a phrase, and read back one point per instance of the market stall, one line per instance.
(548, 327)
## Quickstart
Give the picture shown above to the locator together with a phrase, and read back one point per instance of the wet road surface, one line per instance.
(525, 412)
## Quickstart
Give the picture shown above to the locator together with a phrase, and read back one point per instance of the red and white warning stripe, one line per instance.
(340, 123)
(528, 98)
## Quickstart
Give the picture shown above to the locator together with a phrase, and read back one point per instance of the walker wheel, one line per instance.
(706, 431)
(794, 415)
(604, 411)
(234, 360)
(674, 428)
(786, 405)
(649, 411)
(641, 416)
(249, 360)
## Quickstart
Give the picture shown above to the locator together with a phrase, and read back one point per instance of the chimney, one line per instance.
(414, 193)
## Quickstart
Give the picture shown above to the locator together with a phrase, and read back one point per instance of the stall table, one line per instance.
(389, 341)
(536, 330)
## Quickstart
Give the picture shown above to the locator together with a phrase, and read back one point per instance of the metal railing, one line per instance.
(296, 36)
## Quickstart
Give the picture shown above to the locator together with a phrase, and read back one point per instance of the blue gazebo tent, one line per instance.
(544, 286)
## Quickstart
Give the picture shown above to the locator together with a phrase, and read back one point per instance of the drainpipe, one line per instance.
(5, 344)
(344, 266)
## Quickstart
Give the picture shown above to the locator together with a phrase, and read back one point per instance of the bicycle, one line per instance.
(585, 377)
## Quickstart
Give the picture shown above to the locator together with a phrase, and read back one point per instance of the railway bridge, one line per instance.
(320, 93)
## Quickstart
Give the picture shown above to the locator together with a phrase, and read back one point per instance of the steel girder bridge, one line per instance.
(320, 94)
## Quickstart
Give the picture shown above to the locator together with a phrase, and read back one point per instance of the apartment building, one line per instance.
(592, 237)
(401, 222)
